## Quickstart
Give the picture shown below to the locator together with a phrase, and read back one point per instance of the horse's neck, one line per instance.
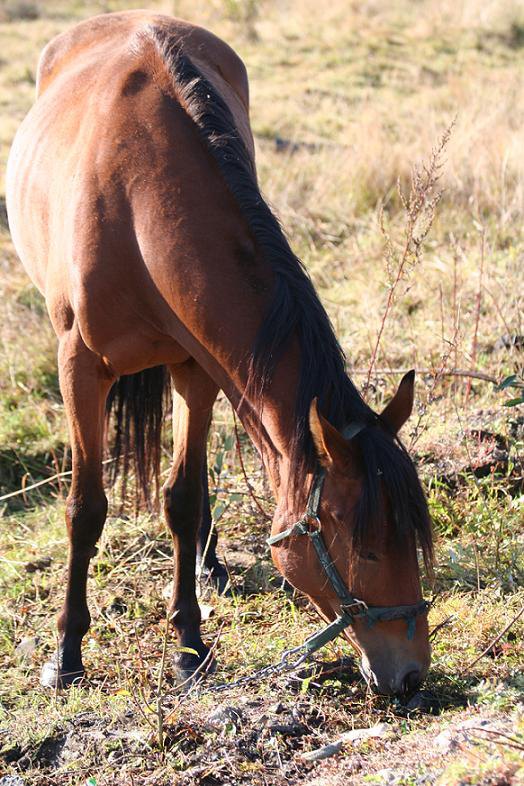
(271, 422)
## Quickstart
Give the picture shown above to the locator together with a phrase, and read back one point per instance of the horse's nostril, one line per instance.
(411, 681)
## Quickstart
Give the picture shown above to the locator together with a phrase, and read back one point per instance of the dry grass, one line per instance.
(343, 106)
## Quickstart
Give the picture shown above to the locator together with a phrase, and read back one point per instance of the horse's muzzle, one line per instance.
(394, 682)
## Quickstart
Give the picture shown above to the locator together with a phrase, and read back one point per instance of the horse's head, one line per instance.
(371, 511)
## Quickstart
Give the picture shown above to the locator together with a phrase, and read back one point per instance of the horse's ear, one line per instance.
(401, 405)
(331, 447)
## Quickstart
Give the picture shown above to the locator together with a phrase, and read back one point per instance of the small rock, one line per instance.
(206, 611)
(24, 650)
(386, 776)
(323, 753)
(449, 739)
(357, 735)
(12, 780)
(445, 740)
(224, 715)
(12, 754)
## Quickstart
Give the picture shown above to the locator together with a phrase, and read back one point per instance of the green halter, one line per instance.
(352, 608)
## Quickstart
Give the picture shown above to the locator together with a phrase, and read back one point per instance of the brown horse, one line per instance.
(134, 205)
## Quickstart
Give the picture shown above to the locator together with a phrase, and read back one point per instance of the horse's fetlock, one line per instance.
(185, 618)
(74, 622)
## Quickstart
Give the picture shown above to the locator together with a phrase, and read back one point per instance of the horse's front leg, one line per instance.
(193, 399)
(84, 384)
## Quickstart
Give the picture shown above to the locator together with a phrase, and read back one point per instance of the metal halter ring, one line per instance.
(312, 518)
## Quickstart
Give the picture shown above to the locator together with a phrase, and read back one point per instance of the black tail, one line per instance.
(137, 404)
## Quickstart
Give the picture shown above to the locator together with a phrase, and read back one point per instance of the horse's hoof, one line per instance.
(221, 584)
(217, 578)
(190, 669)
(52, 676)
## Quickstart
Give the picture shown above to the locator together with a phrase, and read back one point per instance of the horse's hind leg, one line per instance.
(84, 384)
(194, 396)
(208, 563)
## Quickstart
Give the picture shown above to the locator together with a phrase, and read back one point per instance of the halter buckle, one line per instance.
(361, 605)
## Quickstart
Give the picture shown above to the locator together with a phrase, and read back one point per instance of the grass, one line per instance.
(341, 109)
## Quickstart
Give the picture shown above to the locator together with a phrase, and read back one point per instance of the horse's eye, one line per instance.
(370, 556)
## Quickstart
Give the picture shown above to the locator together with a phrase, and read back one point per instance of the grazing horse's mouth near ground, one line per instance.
(386, 664)
(134, 205)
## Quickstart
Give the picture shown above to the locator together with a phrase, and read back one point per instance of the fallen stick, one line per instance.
(36, 485)
(43, 482)
(348, 737)
(441, 625)
(513, 741)
(323, 753)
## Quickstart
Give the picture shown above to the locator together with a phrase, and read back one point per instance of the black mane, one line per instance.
(297, 311)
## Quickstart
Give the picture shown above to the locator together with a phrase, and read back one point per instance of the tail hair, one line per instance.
(135, 411)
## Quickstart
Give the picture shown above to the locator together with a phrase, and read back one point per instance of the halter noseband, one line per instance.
(352, 608)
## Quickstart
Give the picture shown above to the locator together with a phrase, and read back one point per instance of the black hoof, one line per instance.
(221, 584)
(215, 577)
(190, 668)
(55, 676)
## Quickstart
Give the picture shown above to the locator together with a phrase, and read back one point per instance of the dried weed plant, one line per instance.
(419, 208)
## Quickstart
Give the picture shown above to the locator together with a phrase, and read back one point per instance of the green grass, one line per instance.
(359, 96)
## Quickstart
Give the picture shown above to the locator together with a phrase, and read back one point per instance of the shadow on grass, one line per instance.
(342, 679)
(17, 471)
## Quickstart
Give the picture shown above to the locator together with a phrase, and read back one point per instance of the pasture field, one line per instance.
(345, 98)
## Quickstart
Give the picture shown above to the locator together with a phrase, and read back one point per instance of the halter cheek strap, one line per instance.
(351, 608)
